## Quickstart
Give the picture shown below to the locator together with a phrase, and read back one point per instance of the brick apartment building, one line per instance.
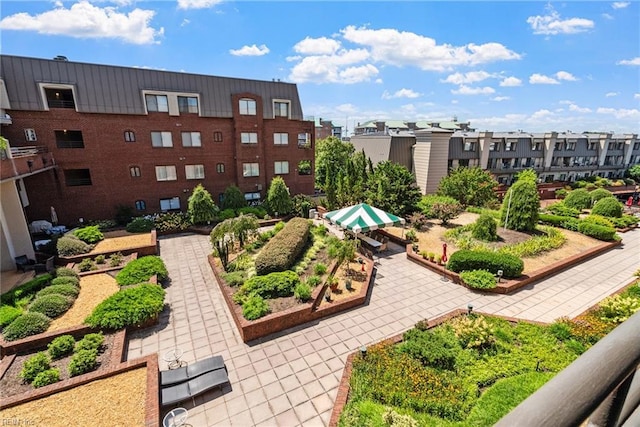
(145, 138)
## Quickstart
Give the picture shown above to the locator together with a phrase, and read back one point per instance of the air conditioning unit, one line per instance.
(30, 135)
(259, 187)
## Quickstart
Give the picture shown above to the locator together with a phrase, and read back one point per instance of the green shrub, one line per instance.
(100, 259)
(87, 265)
(226, 214)
(473, 331)
(313, 281)
(578, 199)
(47, 377)
(66, 272)
(320, 269)
(625, 221)
(66, 280)
(302, 292)
(82, 362)
(172, 221)
(462, 260)
(61, 346)
(255, 307)
(272, 285)
(426, 204)
(140, 225)
(485, 228)
(115, 259)
(25, 290)
(284, 248)
(68, 291)
(52, 305)
(141, 270)
(562, 210)
(521, 204)
(34, 365)
(609, 207)
(90, 342)
(478, 279)
(552, 239)
(8, 314)
(597, 231)
(598, 219)
(437, 348)
(25, 325)
(90, 234)
(561, 330)
(254, 210)
(617, 308)
(393, 419)
(70, 245)
(235, 278)
(598, 194)
(561, 193)
(131, 306)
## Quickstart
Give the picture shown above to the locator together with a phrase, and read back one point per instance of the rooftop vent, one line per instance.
(60, 58)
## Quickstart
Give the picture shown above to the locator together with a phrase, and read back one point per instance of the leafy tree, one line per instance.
(331, 156)
(469, 186)
(301, 205)
(634, 173)
(244, 227)
(233, 198)
(522, 203)
(343, 251)
(201, 208)
(392, 188)
(222, 240)
(445, 211)
(278, 198)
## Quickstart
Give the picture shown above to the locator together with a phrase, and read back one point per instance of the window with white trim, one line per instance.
(303, 140)
(250, 169)
(188, 104)
(280, 138)
(281, 168)
(134, 171)
(249, 137)
(247, 107)
(170, 204)
(161, 139)
(194, 171)
(494, 146)
(191, 139)
(536, 146)
(252, 196)
(510, 146)
(281, 108)
(469, 146)
(166, 173)
(157, 103)
(129, 136)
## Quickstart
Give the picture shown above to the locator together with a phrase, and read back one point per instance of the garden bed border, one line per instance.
(150, 249)
(134, 256)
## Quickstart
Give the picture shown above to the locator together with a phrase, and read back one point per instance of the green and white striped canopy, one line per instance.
(362, 217)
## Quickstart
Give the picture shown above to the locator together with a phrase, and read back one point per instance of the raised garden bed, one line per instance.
(104, 267)
(119, 241)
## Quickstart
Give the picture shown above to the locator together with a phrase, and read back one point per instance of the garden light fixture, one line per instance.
(363, 351)
(469, 308)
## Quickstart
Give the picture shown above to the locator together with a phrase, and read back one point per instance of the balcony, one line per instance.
(5, 119)
(20, 162)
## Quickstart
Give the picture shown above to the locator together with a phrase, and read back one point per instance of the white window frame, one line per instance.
(169, 204)
(166, 140)
(280, 138)
(247, 107)
(160, 107)
(305, 138)
(135, 171)
(166, 173)
(30, 135)
(191, 139)
(190, 108)
(281, 167)
(510, 146)
(252, 196)
(250, 170)
(44, 86)
(194, 171)
(469, 146)
(494, 146)
(249, 137)
(285, 102)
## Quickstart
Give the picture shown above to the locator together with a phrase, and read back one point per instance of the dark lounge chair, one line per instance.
(24, 263)
(180, 375)
(194, 387)
(47, 267)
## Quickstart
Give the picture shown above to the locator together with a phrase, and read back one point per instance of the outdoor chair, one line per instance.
(186, 373)
(47, 267)
(194, 387)
(24, 263)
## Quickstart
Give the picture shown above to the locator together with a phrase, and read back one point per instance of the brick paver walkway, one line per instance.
(291, 378)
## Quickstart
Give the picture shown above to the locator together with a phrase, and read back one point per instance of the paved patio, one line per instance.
(291, 378)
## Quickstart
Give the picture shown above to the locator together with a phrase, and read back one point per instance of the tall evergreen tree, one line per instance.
(521, 204)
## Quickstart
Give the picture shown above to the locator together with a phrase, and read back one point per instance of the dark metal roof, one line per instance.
(118, 90)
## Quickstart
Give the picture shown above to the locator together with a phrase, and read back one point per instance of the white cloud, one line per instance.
(575, 108)
(552, 23)
(402, 93)
(510, 82)
(358, 74)
(607, 16)
(565, 102)
(84, 20)
(466, 90)
(328, 68)
(610, 94)
(197, 4)
(252, 50)
(470, 77)
(454, 101)
(379, 81)
(634, 61)
(319, 46)
(621, 113)
(347, 109)
(501, 98)
(185, 22)
(540, 79)
(541, 114)
(563, 75)
(620, 4)
(636, 96)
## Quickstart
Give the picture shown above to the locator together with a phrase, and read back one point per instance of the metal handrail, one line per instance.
(588, 385)
(32, 150)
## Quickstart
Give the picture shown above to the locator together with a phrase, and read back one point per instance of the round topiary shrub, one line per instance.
(67, 290)
(61, 346)
(478, 279)
(25, 325)
(47, 377)
(82, 362)
(66, 280)
(34, 365)
(485, 228)
(140, 225)
(89, 234)
(255, 307)
(599, 193)
(578, 199)
(66, 272)
(52, 305)
(70, 246)
(608, 206)
(141, 270)
(131, 306)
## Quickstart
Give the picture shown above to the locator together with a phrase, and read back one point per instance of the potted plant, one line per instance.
(438, 259)
(333, 283)
(347, 284)
(431, 256)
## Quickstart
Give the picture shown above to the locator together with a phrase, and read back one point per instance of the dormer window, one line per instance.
(55, 95)
(157, 103)
(281, 108)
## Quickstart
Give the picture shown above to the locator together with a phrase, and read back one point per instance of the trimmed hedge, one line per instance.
(140, 225)
(462, 260)
(479, 279)
(132, 306)
(29, 288)
(70, 245)
(68, 291)
(599, 193)
(273, 285)
(89, 234)
(25, 325)
(625, 221)
(284, 248)
(141, 269)
(66, 272)
(8, 314)
(567, 222)
(52, 305)
(562, 210)
(66, 280)
(578, 199)
(609, 207)
(597, 231)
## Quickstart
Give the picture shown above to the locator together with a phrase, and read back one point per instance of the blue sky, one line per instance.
(502, 66)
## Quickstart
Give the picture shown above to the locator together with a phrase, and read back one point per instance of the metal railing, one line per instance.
(601, 386)
(33, 150)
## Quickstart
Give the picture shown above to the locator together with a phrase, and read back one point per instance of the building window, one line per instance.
(620, 145)
(194, 171)
(166, 173)
(281, 139)
(69, 139)
(170, 204)
(250, 169)
(570, 146)
(220, 168)
(494, 146)
(558, 146)
(59, 98)
(303, 140)
(30, 135)
(249, 137)
(281, 168)
(141, 205)
(281, 109)
(161, 139)
(252, 198)
(510, 146)
(129, 136)
(134, 171)
(469, 146)
(157, 103)
(191, 139)
(77, 177)
(304, 167)
(592, 145)
(536, 146)
(247, 107)
(217, 137)
(188, 104)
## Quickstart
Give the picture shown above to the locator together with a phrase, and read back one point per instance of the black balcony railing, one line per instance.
(60, 103)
